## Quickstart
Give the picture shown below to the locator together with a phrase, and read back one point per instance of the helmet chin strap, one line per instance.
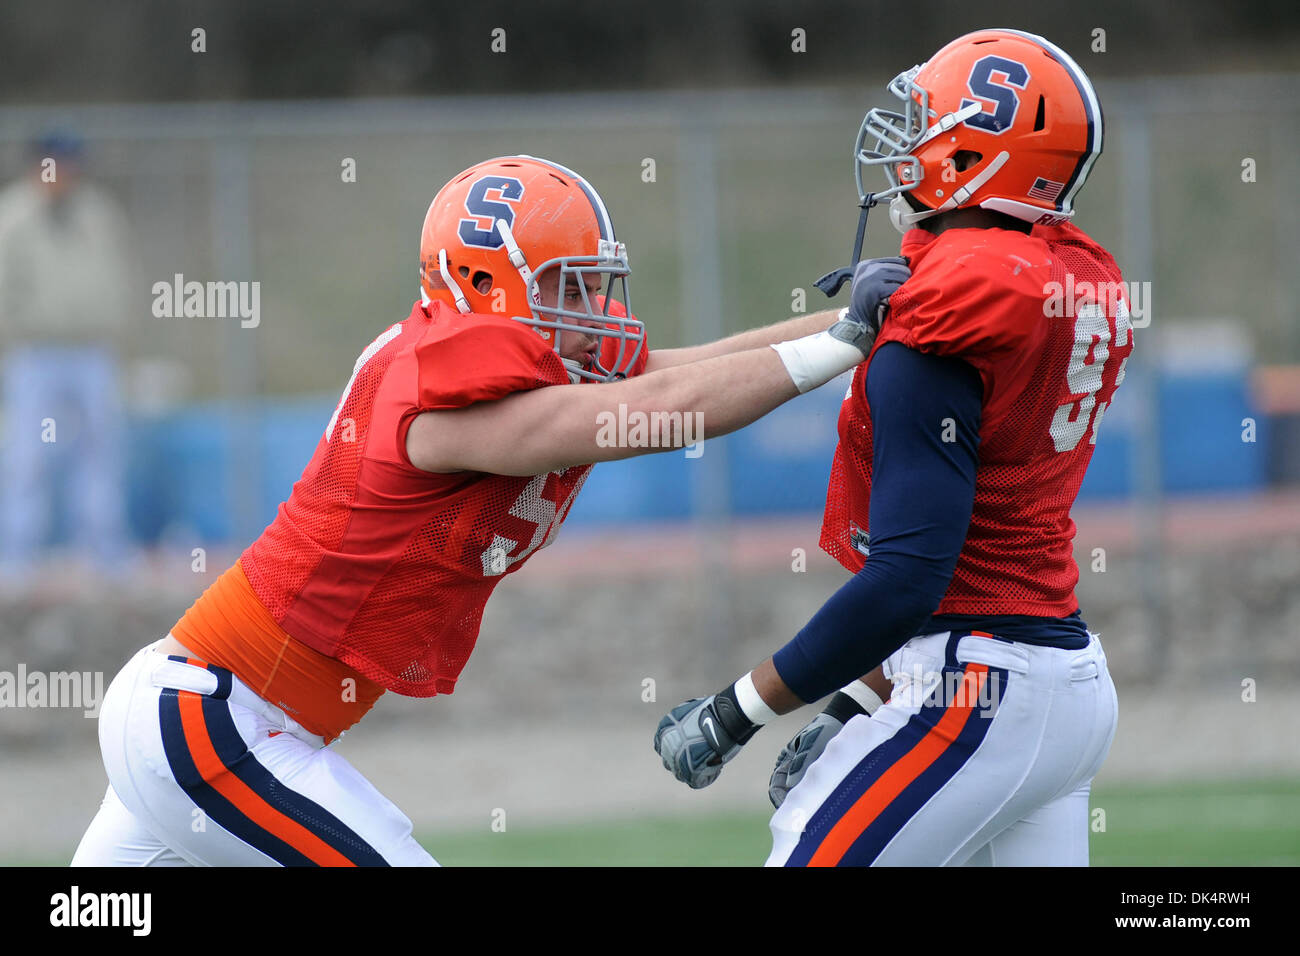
(904, 217)
(946, 122)
(520, 263)
(573, 367)
(516, 255)
(901, 215)
(516, 259)
(459, 294)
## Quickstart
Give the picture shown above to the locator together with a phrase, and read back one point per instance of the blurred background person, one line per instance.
(64, 282)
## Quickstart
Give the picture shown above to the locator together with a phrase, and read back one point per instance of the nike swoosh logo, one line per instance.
(706, 725)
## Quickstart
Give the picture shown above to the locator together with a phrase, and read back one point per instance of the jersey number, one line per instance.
(541, 512)
(1084, 375)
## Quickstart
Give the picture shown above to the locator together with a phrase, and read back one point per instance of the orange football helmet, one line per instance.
(1019, 110)
(499, 226)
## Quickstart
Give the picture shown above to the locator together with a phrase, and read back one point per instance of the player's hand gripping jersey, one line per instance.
(1049, 369)
(380, 569)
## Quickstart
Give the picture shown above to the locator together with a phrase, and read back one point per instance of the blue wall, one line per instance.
(182, 465)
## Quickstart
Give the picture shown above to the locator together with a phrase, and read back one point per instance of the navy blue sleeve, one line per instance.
(925, 418)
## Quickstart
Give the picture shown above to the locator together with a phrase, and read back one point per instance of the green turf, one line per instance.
(739, 840)
(1216, 823)
(1211, 823)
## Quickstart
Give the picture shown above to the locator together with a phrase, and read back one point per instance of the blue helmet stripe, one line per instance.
(603, 222)
(1091, 108)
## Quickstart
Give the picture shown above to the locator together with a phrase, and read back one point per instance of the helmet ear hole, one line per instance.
(482, 282)
(964, 159)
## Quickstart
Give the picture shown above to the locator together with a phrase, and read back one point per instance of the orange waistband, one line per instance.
(229, 627)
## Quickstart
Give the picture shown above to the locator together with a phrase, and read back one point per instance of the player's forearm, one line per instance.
(878, 683)
(774, 691)
(794, 328)
(713, 398)
(547, 429)
(778, 695)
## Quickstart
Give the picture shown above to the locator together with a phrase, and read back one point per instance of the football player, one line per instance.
(455, 452)
(963, 441)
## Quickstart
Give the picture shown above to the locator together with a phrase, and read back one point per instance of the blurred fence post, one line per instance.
(701, 271)
(1286, 238)
(1142, 371)
(240, 382)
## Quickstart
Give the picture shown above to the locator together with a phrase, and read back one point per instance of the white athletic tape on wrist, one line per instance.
(750, 703)
(867, 698)
(816, 359)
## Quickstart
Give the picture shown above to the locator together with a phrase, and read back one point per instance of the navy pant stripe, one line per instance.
(230, 747)
(919, 792)
(874, 765)
(215, 806)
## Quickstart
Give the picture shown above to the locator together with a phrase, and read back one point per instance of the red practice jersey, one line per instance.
(1044, 320)
(383, 566)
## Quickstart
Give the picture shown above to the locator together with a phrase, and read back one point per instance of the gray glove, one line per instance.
(874, 281)
(697, 737)
(807, 745)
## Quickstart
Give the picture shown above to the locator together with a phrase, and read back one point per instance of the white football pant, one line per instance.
(204, 772)
(984, 755)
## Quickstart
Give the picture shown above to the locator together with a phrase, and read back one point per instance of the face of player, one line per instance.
(573, 345)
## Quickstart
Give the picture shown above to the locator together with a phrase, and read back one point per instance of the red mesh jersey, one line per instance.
(383, 566)
(1044, 320)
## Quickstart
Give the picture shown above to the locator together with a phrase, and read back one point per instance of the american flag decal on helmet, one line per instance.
(1045, 189)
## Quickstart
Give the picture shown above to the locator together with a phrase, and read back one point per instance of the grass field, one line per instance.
(1253, 822)
(1217, 823)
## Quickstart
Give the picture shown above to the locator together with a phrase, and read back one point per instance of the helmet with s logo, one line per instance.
(997, 119)
(498, 230)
